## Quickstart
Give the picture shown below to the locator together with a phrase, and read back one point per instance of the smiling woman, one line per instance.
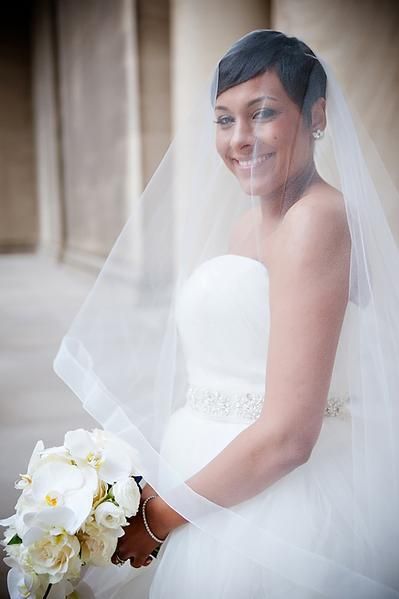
(258, 380)
(266, 111)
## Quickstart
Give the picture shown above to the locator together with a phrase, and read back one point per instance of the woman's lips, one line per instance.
(253, 163)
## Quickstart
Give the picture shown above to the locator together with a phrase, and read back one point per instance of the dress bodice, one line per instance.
(223, 322)
(223, 319)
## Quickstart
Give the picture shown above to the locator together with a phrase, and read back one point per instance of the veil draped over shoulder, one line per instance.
(123, 357)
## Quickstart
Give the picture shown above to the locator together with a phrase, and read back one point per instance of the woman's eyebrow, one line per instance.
(261, 99)
(250, 103)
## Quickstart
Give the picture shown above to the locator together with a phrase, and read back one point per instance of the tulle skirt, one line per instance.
(307, 507)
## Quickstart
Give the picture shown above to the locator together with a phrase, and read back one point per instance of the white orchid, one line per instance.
(22, 583)
(61, 590)
(113, 458)
(25, 505)
(64, 485)
(56, 480)
(127, 496)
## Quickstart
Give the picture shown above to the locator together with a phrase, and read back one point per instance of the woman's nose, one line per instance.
(243, 137)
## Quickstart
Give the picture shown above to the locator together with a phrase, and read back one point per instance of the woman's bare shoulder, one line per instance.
(317, 220)
(321, 200)
(322, 207)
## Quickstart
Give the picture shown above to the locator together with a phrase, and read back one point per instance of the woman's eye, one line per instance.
(264, 113)
(224, 121)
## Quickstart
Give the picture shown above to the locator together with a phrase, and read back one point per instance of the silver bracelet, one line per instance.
(146, 523)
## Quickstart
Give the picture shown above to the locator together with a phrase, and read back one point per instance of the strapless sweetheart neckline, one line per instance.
(248, 258)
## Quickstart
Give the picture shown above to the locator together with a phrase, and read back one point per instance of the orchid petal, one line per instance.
(35, 457)
(79, 443)
(56, 476)
(8, 521)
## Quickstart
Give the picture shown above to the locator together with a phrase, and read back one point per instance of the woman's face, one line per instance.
(261, 135)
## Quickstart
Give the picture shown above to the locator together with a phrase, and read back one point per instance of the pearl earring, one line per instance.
(318, 133)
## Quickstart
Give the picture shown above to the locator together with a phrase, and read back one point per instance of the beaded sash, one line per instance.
(248, 406)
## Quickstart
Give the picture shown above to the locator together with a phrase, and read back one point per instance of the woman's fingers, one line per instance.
(116, 560)
(137, 562)
(122, 552)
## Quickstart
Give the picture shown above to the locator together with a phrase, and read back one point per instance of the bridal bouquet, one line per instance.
(74, 501)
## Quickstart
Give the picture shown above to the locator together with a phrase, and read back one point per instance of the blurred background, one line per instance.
(91, 93)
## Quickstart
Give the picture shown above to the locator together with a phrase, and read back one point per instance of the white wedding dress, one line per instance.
(223, 322)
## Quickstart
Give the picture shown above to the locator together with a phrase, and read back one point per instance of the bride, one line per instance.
(257, 376)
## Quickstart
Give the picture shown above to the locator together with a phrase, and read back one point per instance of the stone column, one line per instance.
(47, 130)
(18, 222)
(154, 80)
(201, 34)
(100, 122)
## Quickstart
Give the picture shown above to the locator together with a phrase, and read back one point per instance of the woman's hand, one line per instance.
(136, 544)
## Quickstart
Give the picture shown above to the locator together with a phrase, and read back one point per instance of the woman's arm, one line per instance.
(308, 278)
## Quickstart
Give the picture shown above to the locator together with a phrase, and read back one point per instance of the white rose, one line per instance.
(57, 556)
(109, 515)
(98, 544)
(127, 495)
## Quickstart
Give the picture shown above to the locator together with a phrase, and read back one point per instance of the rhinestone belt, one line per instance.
(247, 406)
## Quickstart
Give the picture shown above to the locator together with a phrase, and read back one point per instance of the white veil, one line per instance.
(123, 358)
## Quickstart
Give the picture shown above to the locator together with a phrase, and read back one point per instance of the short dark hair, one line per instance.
(296, 65)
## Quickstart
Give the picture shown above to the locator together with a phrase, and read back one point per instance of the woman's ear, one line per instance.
(319, 120)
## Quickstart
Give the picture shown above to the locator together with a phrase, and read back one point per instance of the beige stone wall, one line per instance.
(129, 73)
(18, 222)
(100, 125)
